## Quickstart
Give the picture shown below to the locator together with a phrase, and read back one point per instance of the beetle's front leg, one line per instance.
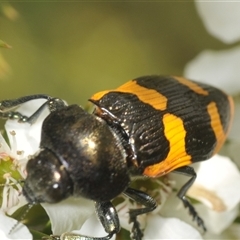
(7, 106)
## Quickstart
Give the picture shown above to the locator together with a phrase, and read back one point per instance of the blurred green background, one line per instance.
(74, 49)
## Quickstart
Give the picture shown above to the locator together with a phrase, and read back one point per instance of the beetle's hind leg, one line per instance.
(7, 107)
(189, 171)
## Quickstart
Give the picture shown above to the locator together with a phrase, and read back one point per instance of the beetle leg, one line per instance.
(189, 171)
(6, 107)
(51, 237)
(72, 236)
(108, 216)
(144, 199)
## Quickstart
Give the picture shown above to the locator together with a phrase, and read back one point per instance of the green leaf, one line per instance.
(37, 235)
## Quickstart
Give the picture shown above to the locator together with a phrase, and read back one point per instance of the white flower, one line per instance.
(69, 215)
(22, 144)
(6, 224)
(217, 187)
(27, 137)
(12, 199)
(218, 68)
(24, 141)
(221, 19)
(169, 228)
(93, 227)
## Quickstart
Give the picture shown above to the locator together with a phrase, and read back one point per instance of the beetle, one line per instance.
(149, 126)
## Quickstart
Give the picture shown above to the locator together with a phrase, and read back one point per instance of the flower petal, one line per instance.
(169, 228)
(219, 68)
(232, 232)
(217, 184)
(25, 137)
(221, 19)
(6, 224)
(216, 222)
(93, 228)
(12, 200)
(4, 148)
(69, 214)
(123, 214)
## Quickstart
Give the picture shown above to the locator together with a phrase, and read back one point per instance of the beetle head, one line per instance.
(47, 179)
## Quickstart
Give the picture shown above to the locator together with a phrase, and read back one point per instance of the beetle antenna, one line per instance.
(28, 207)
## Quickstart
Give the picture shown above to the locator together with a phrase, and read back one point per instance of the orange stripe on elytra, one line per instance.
(146, 95)
(97, 96)
(192, 85)
(216, 125)
(177, 157)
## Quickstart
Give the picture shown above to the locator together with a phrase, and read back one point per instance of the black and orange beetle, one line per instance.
(149, 126)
